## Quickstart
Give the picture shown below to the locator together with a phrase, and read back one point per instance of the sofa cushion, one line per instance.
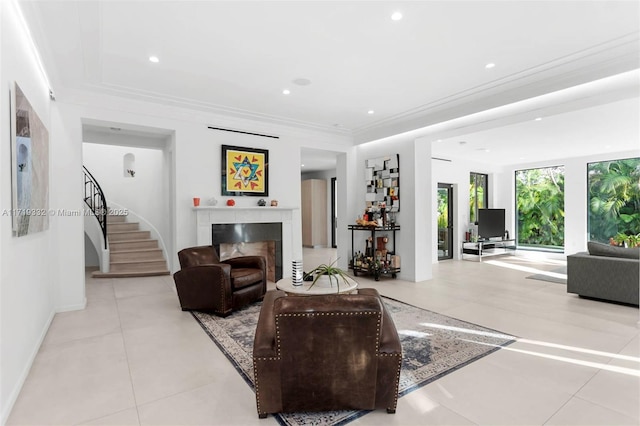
(244, 277)
(600, 249)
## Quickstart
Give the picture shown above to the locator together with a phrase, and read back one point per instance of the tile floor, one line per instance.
(132, 357)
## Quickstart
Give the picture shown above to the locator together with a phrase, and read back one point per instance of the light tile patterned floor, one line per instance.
(132, 357)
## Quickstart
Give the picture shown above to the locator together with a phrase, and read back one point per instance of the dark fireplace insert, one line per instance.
(246, 239)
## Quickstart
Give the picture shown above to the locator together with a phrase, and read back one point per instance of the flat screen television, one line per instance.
(491, 223)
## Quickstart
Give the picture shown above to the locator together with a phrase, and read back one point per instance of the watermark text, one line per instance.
(62, 212)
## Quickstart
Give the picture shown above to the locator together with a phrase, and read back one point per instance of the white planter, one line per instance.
(326, 281)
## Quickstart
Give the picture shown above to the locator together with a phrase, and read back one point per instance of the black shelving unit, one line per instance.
(376, 272)
(483, 248)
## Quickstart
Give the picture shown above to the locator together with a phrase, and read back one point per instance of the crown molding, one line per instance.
(607, 59)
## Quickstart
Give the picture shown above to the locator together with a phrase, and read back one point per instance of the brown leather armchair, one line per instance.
(324, 353)
(204, 283)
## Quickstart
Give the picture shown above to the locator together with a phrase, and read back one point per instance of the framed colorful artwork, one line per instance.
(245, 171)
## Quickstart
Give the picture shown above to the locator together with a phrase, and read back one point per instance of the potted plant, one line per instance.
(633, 240)
(624, 240)
(328, 273)
(618, 240)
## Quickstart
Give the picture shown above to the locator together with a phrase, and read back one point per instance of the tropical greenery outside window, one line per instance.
(614, 201)
(540, 207)
(478, 194)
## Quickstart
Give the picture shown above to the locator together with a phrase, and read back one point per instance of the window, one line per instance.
(478, 194)
(540, 207)
(614, 199)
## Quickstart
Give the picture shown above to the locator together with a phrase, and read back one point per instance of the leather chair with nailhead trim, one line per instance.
(325, 353)
(204, 283)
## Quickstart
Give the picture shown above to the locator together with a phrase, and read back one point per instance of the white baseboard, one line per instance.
(76, 307)
(13, 396)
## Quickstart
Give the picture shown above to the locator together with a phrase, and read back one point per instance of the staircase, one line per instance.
(132, 252)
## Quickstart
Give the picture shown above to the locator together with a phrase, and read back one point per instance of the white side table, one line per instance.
(320, 287)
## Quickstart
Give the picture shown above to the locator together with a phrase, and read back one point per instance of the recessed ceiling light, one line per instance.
(439, 140)
(286, 92)
(301, 165)
(490, 65)
(396, 16)
(154, 59)
(538, 119)
(370, 111)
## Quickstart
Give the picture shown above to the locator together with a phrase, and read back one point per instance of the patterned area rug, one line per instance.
(433, 346)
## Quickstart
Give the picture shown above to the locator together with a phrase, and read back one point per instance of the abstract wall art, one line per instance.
(245, 171)
(382, 175)
(29, 167)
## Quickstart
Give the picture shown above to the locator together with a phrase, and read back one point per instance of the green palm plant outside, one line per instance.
(540, 207)
(476, 195)
(614, 199)
(443, 214)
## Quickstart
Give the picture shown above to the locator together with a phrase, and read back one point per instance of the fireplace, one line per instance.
(246, 239)
(208, 217)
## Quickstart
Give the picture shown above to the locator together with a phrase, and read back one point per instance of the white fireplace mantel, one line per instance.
(288, 216)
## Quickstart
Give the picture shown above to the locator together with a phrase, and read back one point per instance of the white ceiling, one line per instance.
(236, 57)
(104, 133)
(584, 132)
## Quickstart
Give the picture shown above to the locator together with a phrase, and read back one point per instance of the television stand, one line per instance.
(482, 248)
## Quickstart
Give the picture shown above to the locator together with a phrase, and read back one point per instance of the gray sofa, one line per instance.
(605, 272)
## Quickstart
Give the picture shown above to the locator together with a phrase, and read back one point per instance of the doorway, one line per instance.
(445, 221)
(334, 211)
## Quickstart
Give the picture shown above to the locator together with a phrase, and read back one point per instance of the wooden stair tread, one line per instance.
(144, 258)
(116, 219)
(132, 245)
(125, 232)
(123, 227)
(132, 241)
(145, 250)
(124, 262)
(130, 274)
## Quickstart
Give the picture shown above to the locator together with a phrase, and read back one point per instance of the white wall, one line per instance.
(90, 254)
(575, 190)
(146, 193)
(33, 267)
(349, 202)
(195, 152)
(416, 198)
